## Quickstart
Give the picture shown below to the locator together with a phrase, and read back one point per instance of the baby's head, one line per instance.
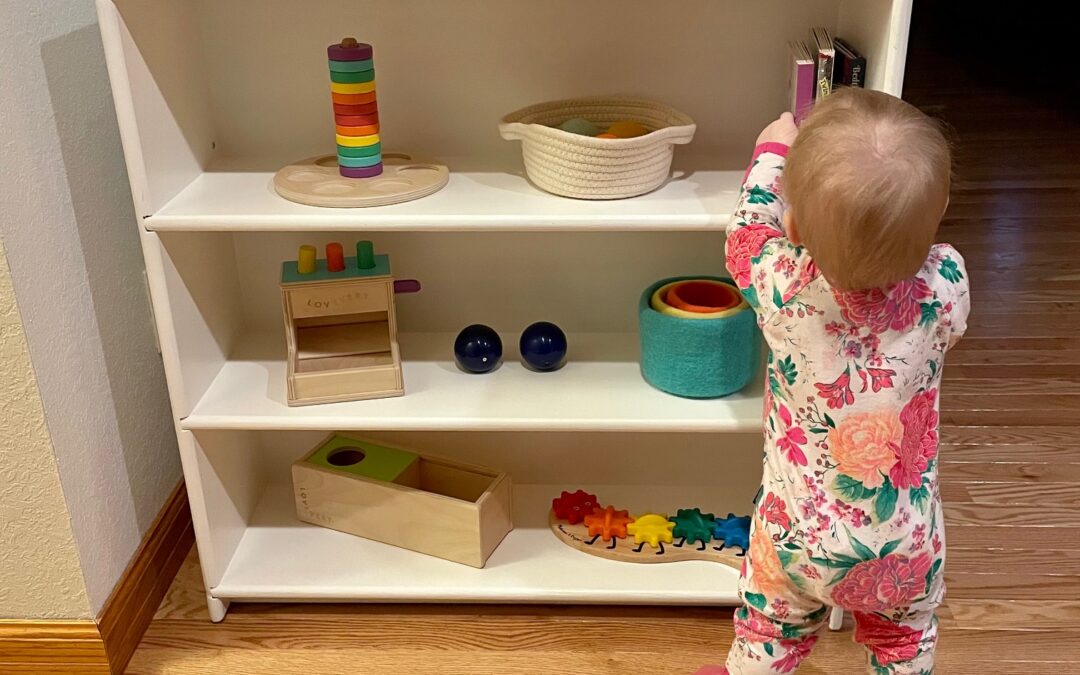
(867, 182)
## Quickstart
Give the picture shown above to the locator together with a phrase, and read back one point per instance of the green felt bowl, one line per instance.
(694, 358)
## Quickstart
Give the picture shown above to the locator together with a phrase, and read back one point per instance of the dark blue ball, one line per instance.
(478, 349)
(543, 346)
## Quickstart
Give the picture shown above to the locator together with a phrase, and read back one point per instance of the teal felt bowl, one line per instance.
(696, 358)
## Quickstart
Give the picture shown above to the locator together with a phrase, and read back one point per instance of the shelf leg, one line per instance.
(836, 619)
(217, 608)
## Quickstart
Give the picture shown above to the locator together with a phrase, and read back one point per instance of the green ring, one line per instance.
(366, 151)
(351, 66)
(359, 162)
(352, 78)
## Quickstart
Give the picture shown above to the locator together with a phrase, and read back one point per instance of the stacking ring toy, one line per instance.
(371, 108)
(351, 66)
(352, 99)
(660, 302)
(352, 88)
(358, 131)
(366, 151)
(705, 297)
(357, 141)
(352, 77)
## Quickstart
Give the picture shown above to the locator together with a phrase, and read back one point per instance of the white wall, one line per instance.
(70, 233)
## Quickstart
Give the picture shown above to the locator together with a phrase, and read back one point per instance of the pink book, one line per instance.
(801, 86)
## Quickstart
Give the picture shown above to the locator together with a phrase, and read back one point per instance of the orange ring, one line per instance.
(353, 99)
(358, 131)
(702, 296)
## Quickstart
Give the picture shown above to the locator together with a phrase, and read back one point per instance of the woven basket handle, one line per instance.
(680, 135)
(512, 131)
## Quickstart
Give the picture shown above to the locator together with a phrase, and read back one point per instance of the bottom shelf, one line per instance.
(280, 558)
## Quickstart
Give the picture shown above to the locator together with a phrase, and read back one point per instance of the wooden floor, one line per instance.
(1010, 471)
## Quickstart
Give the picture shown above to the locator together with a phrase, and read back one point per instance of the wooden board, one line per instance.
(625, 550)
(315, 181)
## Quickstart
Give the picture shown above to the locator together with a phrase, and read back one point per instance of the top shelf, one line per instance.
(472, 201)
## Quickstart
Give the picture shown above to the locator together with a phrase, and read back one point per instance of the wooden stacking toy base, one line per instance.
(625, 550)
(316, 181)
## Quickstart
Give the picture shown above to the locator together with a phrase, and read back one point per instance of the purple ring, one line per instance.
(361, 171)
(360, 52)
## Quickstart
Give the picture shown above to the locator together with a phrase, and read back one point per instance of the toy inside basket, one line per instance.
(588, 167)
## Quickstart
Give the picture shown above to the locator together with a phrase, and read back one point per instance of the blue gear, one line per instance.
(733, 531)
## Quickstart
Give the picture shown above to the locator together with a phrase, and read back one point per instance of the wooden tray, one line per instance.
(315, 181)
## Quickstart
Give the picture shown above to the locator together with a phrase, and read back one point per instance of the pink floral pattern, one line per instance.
(883, 583)
(896, 307)
(849, 513)
(919, 445)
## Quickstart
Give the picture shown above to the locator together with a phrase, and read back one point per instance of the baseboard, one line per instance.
(52, 647)
(130, 608)
(105, 646)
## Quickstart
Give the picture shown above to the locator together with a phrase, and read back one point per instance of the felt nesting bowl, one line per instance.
(589, 167)
(696, 358)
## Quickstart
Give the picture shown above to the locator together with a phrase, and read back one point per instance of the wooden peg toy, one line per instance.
(305, 259)
(335, 257)
(340, 327)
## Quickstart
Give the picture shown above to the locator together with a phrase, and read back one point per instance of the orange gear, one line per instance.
(608, 523)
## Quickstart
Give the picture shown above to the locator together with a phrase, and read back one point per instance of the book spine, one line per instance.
(858, 72)
(824, 75)
(804, 91)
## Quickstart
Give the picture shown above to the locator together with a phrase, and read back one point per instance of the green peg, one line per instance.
(365, 255)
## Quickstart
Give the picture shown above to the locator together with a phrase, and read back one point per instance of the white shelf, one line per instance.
(473, 201)
(600, 389)
(282, 559)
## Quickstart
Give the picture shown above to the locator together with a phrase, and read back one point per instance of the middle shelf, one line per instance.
(599, 389)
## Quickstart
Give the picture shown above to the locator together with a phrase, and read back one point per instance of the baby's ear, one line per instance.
(790, 228)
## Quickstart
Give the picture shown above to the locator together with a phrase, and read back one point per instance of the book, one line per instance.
(852, 72)
(826, 55)
(801, 85)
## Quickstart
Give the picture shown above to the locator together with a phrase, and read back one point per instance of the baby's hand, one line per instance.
(781, 130)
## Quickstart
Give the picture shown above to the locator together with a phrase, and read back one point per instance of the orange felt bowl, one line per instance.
(353, 99)
(358, 131)
(702, 297)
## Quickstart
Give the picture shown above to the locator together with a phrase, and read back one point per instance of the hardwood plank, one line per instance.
(976, 343)
(1007, 417)
(1046, 515)
(1010, 586)
(1009, 357)
(1035, 454)
(986, 614)
(1011, 472)
(987, 536)
(1006, 560)
(1064, 494)
(1014, 385)
(1018, 435)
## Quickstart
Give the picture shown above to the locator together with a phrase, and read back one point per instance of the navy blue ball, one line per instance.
(478, 349)
(543, 346)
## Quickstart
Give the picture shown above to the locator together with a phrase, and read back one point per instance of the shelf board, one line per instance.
(599, 389)
(472, 201)
(282, 559)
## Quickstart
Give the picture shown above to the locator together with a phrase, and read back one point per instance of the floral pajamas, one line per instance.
(849, 513)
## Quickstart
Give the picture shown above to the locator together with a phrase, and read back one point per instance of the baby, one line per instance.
(835, 253)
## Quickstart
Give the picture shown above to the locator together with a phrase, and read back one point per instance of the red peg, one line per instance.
(335, 257)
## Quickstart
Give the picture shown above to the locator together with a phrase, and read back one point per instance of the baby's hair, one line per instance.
(867, 182)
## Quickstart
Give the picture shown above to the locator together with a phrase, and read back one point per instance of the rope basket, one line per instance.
(584, 167)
